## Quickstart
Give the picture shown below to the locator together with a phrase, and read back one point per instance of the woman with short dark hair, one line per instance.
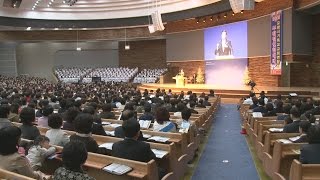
(55, 134)
(74, 155)
(27, 117)
(11, 160)
(162, 122)
(69, 117)
(83, 126)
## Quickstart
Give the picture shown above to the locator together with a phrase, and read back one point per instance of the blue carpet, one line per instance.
(226, 155)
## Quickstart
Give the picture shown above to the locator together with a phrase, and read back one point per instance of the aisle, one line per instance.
(226, 155)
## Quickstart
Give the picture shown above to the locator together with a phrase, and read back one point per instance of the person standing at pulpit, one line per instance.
(181, 73)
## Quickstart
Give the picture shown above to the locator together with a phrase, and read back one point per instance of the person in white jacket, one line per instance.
(39, 151)
(57, 136)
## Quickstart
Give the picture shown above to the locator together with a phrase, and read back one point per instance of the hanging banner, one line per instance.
(276, 43)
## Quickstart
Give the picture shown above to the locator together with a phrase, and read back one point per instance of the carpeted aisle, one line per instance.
(226, 155)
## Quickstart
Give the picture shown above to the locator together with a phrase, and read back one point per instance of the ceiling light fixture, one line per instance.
(28, 28)
(204, 20)
(126, 46)
(70, 2)
(211, 18)
(225, 15)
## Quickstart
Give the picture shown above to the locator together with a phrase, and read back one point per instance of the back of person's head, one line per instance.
(40, 139)
(147, 108)
(287, 108)
(304, 126)
(71, 114)
(211, 92)
(180, 106)
(261, 102)
(27, 116)
(295, 113)
(107, 107)
(14, 108)
(127, 114)
(314, 134)
(74, 154)
(94, 105)
(129, 106)
(206, 98)
(131, 128)
(43, 103)
(47, 110)
(55, 121)
(269, 107)
(89, 110)
(192, 104)
(279, 104)
(279, 97)
(288, 120)
(4, 110)
(186, 113)
(83, 123)
(162, 115)
(255, 100)
(316, 103)
(9, 139)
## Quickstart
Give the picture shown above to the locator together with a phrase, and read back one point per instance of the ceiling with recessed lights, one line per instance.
(96, 9)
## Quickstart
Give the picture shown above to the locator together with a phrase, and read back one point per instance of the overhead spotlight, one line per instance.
(69, 28)
(232, 14)
(28, 28)
(225, 15)
(204, 20)
(48, 5)
(218, 17)
(56, 29)
(79, 49)
(84, 28)
(127, 47)
(241, 12)
(198, 21)
(211, 18)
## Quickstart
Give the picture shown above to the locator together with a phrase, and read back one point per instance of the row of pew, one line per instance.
(279, 156)
(180, 149)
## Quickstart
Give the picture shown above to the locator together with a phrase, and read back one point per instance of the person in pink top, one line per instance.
(46, 111)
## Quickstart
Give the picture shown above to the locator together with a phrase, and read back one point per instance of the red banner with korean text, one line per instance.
(276, 43)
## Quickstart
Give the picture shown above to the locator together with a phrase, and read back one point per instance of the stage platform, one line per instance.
(234, 91)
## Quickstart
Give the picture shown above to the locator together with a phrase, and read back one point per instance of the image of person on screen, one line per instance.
(224, 47)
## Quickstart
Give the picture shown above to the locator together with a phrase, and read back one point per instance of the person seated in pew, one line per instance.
(184, 124)
(260, 107)
(130, 147)
(57, 136)
(162, 123)
(74, 155)
(14, 113)
(107, 112)
(97, 126)
(173, 103)
(303, 129)
(11, 160)
(69, 117)
(309, 153)
(254, 103)
(27, 117)
(316, 108)
(192, 105)
(43, 120)
(39, 151)
(119, 131)
(270, 111)
(83, 126)
(43, 103)
(278, 107)
(147, 115)
(180, 108)
(294, 126)
(249, 100)
(286, 112)
(200, 104)
(206, 101)
(4, 112)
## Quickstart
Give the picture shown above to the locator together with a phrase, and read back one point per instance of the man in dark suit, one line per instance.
(294, 126)
(206, 101)
(316, 109)
(130, 147)
(119, 131)
(147, 115)
(224, 47)
(303, 129)
(310, 152)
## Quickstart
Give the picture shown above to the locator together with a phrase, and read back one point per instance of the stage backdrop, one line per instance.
(226, 53)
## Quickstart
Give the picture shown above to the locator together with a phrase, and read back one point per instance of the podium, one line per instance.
(180, 80)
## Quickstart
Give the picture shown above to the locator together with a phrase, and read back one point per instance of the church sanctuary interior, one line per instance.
(160, 89)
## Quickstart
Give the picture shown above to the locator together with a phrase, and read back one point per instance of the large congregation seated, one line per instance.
(79, 107)
(291, 116)
(149, 75)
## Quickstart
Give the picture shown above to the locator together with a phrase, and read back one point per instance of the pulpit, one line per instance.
(180, 80)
